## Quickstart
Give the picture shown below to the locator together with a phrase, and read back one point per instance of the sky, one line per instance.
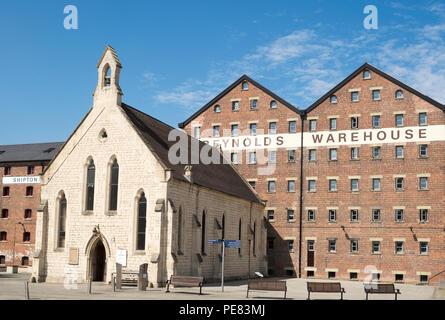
(178, 55)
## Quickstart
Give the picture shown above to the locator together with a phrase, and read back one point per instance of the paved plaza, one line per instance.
(12, 287)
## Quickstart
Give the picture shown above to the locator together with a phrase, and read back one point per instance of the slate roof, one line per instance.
(29, 152)
(220, 177)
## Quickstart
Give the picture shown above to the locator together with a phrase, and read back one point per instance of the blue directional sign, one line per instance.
(232, 243)
(214, 241)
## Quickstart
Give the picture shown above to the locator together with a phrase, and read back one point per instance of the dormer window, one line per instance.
(217, 108)
(333, 99)
(399, 94)
(245, 85)
(366, 75)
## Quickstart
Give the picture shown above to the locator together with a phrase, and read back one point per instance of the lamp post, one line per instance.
(13, 248)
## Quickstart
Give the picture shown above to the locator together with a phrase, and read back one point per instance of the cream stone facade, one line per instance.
(171, 246)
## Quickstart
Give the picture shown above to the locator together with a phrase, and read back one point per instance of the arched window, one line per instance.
(366, 74)
(179, 229)
(114, 181)
(217, 108)
(245, 85)
(333, 99)
(254, 239)
(62, 222)
(141, 222)
(91, 173)
(107, 76)
(273, 104)
(239, 235)
(203, 233)
(399, 94)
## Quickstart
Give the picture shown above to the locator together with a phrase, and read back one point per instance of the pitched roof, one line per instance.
(114, 55)
(228, 89)
(221, 177)
(29, 152)
(367, 66)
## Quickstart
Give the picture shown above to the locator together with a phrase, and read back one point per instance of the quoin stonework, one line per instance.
(354, 183)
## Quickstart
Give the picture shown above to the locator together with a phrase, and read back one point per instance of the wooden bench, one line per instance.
(185, 281)
(324, 287)
(383, 288)
(267, 285)
(129, 278)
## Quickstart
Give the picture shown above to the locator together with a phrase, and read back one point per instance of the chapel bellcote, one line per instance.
(108, 91)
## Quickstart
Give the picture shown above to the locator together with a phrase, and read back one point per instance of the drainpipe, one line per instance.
(301, 197)
(250, 222)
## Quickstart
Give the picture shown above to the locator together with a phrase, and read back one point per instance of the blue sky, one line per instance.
(177, 55)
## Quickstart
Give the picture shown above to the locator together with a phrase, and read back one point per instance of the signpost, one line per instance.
(231, 244)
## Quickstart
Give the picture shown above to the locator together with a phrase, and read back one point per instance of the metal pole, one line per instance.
(113, 283)
(89, 286)
(222, 273)
(26, 290)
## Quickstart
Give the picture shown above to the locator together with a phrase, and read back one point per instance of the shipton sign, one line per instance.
(21, 180)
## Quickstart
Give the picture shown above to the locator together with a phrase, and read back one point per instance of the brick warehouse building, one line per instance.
(368, 190)
(20, 166)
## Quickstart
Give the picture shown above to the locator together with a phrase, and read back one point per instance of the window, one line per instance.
(25, 261)
(399, 247)
(366, 74)
(331, 275)
(29, 191)
(290, 245)
(245, 85)
(31, 170)
(270, 243)
(375, 95)
(376, 152)
(253, 104)
(332, 185)
(91, 173)
(234, 130)
(272, 156)
(292, 126)
(353, 276)
(332, 215)
(28, 214)
(197, 131)
(375, 215)
(273, 104)
(376, 121)
(235, 105)
(376, 184)
(252, 157)
(203, 233)
(216, 131)
(312, 154)
(252, 127)
(179, 238)
(399, 120)
(354, 184)
(6, 191)
(271, 186)
(332, 154)
(311, 215)
(26, 236)
(423, 183)
(234, 157)
(7, 171)
(332, 245)
(291, 186)
(423, 278)
(354, 215)
(333, 99)
(311, 185)
(240, 232)
(333, 124)
(423, 215)
(354, 153)
(422, 119)
(398, 277)
(290, 215)
(313, 125)
(271, 215)
(354, 96)
(5, 213)
(423, 247)
(2, 260)
(354, 122)
(354, 245)
(310, 274)
(291, 155)
(254, 239)
(399, 183)
(62, 221)
(114, 186)
(252, 184)
(141, 222)
(376, 247)
(423, 151)
(375, 276)
(399, 94)
(272, 127)
(399, 152)
(217, 108)
(399, 215)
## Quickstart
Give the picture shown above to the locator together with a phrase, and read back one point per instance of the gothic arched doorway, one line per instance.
(98, 261)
